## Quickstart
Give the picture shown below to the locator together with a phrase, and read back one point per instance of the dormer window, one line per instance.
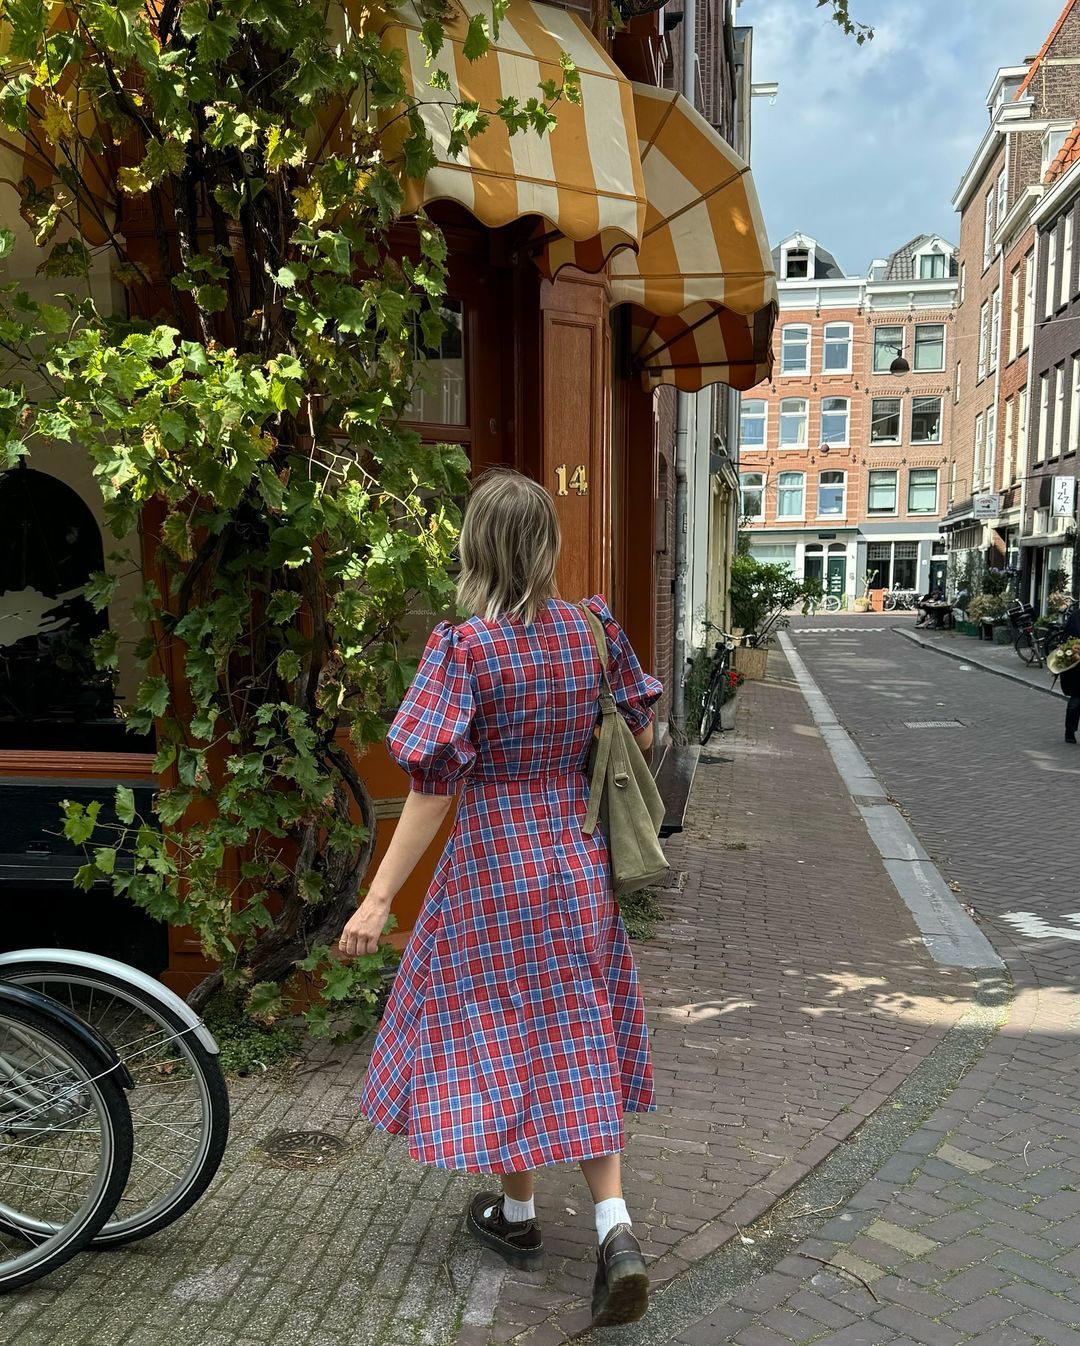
(932, 266)
(1052, 141)
(797, 264)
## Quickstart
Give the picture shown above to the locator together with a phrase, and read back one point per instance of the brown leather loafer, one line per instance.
(522, 1245)
(621, 1288)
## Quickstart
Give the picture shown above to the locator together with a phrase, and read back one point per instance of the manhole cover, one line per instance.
(933, 724)
(302, 1149)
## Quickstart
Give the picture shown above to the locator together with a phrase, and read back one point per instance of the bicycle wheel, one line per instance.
(889, 603)
(710, 704)
(831, 603)
(179, 1106)
(1027, 648)
(65, 1144)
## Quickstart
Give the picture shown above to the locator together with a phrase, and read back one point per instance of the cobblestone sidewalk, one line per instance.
(789, 995)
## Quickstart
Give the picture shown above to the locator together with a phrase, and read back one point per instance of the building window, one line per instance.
(991, 447)
(1044, 418)
(836, 358)
(963, 280)
(885, 420)
(984, 338)
(1008, 447)
(956, 389)
(1066, 262)
(1059, 407)
(995, 329)
(1001, 195)
(1074, 407)
(1052, 141)
(922, 490)
(932, 266)
(882, 495)
(879, 564)
(888, 344)
(929, 346)
(1014, 314)
(439, 397)
(1029, 299)
(795, 348)
(796, 264)
(977, 455)
(988, 230)
(835, 418)
(752, 495)
(1051, 273)
(790, 495)
(753, 419)
(905, 564)
(793, 423)
(926, 420)
(832, 495)
(1021, 434)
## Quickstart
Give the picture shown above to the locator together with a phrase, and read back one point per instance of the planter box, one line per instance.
(967, 628)
(877, 600)
(1003, 635)
(751, 663)
(727, 712)
(860, 604)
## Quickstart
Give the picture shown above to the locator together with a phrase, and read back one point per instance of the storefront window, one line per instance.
(439, 397)
(879, 560)
(905, 564)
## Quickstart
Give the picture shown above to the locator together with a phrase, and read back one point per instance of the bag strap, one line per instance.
(608, 711)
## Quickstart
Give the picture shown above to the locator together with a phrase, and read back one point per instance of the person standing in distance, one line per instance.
(515, 1035)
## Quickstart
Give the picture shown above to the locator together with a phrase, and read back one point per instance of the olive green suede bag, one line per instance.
(622, 793)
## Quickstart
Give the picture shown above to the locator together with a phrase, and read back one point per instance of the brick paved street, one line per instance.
(968, 1234)
(789, 995)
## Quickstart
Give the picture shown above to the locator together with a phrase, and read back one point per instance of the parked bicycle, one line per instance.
(1034, 641)
(717, 686)
(823, 603)
(900, 600)
(179, 1114)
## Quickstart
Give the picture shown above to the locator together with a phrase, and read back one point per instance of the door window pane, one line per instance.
(832, 490)
(439, 395)
(930, 345)
(922, 490)
(793, 423)
(882, 498)
(888, 344)
(926, 420)
(835, 414)
(885, 420)
(837, 356)
(795, 348)
(814, 563)
(752, 414)
(790, 493)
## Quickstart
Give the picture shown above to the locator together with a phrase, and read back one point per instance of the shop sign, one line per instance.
(1064, 497)
(986, 506)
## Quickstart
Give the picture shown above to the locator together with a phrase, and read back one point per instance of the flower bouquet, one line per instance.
(1065, 656)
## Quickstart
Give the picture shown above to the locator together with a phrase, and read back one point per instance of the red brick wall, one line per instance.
(664, 541)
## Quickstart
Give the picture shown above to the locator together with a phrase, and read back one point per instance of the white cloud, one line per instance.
(865, 145)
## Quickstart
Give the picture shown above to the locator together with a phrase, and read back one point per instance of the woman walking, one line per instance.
(514, 1036)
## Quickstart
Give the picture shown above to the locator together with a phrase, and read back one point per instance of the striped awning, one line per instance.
(702, 283)
(583, 180)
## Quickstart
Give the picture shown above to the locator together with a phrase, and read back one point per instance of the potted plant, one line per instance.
(985, 610)
(727, 706)
(861, 602)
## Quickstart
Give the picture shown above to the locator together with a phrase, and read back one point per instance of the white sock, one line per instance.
(608, 1214)
(516, 1212)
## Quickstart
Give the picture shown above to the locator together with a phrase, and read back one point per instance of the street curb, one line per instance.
(950, 935)
(977, 663)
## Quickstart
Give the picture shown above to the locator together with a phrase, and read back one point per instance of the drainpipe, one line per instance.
(682, 446)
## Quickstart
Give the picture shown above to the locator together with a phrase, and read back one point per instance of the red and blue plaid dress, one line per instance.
(515, 1033)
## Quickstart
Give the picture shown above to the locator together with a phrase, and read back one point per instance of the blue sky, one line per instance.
(865, 146)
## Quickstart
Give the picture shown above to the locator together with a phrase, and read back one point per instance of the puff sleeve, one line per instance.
(634, 690)
(432, 734)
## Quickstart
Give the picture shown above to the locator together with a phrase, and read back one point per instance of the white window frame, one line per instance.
(894, 354)
(990, 457)
(1014, 314)
(887, 472)
(802, 443)
(784, 330)
(1028, 328)
(1065, 291)
(938, 261)
(1074, 407)
(1021, 433)
(977, 453)
(831, 439)
(1052, 141)
(764, 417)
(940, 416)
(984, 334)
(988, 229)
(1008, 446)
(963, 280)
(1044, 418)
(827, 341)
(788, 488)
(743, 488)
(1051, 273)
(929, 369)
(1059, 407)
(995, 328)
(1000, 197)
(956, 389)
(899, 420)
(937, 487)
(841, 513)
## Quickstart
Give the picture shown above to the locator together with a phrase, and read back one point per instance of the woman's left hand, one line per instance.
(364, 928)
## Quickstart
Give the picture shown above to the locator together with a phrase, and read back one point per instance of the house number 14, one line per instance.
(577, 481)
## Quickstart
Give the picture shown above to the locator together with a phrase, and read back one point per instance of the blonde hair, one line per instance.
(509, 548)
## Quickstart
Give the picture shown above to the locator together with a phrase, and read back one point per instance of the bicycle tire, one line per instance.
(1027, 648)
(57, 980)
(710, 704)
(888, 603)
(114, 1116)
(831, 603)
